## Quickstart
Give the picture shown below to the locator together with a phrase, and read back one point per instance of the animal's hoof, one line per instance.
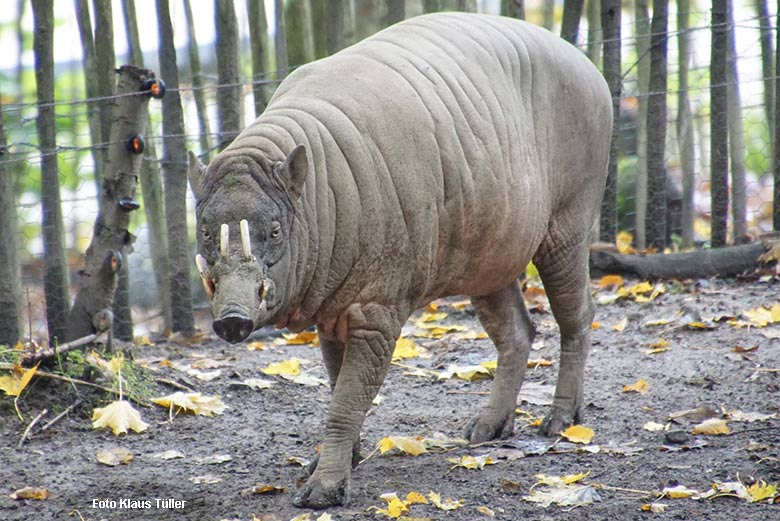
(356, 458)
(314, 494)
(557, 421)
(488, 427)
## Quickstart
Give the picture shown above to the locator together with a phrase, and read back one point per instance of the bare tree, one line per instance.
(55, 277)
(467, 6)
(642, 46)
(111, 236)
(656, 128)
(174, 167)
(258, 44)
(368, 14)
(548, 14)
(685, 137)
(396, 11)
(335, 26)
(513, 8)
(300, 32)
(431, 6)
(105, 63)
(610, 22)
(767, 51)
(595, 36)
(151, 184)
(10, 281)
(719, 147)
(90, 85)
(198, 85)
(570, 25)
(280, 41)
(776, 148)
(736, 139)
(228, 84)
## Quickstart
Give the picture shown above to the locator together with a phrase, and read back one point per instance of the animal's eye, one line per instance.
(206, 234)
(276, 230)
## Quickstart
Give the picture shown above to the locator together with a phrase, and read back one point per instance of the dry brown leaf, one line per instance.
(114, 456)
(640, 386)
(712, 427)
(31, 493)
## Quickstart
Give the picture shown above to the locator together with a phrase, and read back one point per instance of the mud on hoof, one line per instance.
(486, 427)
(314, 494)
(557, 421)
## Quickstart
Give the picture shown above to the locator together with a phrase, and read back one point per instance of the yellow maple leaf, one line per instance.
(119, 416)
(255, 346)
(405, 348)
(761, 490)
(192, 402)
(678, 492)
(763, 316)
(416, 498)
(291, 367)
(447, 504)
(640, 386)
(711, 427)
(611, 281)
(472, 462)
(302, 338)
(414, 446)
(473, 335)
(623, 242)
(620, 326)
(467, 372)
(14, 384)
(578, 434)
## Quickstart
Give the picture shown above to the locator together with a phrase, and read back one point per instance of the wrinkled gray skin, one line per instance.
(435, 158)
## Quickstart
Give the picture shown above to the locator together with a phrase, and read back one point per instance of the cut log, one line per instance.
(729, 260)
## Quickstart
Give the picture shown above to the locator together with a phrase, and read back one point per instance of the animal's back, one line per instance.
(443, 147)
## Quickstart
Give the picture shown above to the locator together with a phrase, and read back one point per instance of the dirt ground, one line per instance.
(262, 429)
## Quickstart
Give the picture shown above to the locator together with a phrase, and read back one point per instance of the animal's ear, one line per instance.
(294, 170)
(195, 169)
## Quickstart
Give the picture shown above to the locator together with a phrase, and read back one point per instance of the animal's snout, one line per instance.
(233, 327)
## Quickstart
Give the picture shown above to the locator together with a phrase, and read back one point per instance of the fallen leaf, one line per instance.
(447, 504)
(555, 481)
(413, 446)
(114, 456)
(214, 459)
(433, 316)
(654, 427)
(168, 454)
(578, 434)
(763, 316)
(623, 242)
(620, 326)
(395, 506)
(711, 427)
(304, 379)
(760, 490)
(468, 372)
(536, 393)
(268, 490)
(640, 386)
(302, 338)
(655, 508)
(611, 281)
(678, 492)
(473, 335)
(119, 416)
(14, 384)
(472, 462)
(295, 460)
(289, 367)
(257, 383)
(405, 348)
(255, 346)
(696, 415)
(438, 331)
(206, 479)
(739, 416)
(538, 362)
(143, 340)
(192, 402)
(566, 495)
(31, 493)
(595, 325)
(485, 511)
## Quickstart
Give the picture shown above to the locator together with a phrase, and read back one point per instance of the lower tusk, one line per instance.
(224, 241)
(205, 277)
(246, 244)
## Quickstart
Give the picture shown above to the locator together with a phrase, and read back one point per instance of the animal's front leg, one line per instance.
(371, 334)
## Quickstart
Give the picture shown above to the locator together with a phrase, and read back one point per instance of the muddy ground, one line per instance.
(262, 429)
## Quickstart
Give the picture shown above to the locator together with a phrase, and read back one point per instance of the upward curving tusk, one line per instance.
(200, 262)
(224, 240)
(246, 244)
(205, 276)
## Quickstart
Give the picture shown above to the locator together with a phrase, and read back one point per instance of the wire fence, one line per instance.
(79, 194)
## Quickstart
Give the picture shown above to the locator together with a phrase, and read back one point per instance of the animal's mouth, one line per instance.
(233, 326)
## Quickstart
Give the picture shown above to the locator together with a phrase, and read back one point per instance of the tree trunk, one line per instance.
(105, 62)
(10, 277)
(258, 44)
(430, 6)
(719, 148)
(570, 25)
(595, 33)
(300, 40)
(110, 239)
(548, 14)
(467, 6)
(396, 11)
(642, 46)
(699, 264)
(776, 148)
(369, 19)
(513, 9)
(736, 140)
(228, 81)
(335, 28)
(55, 278)
(198, 86)
(610, 22)
(90, 86)
(768, 73)
(685, 139)
(656, 128)
(151, 184)
(280, 41)
(174, 167)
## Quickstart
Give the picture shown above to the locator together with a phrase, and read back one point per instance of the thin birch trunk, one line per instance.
(228, 82)
(685, 137)
(642, 46)
(736, 139)
(198, 85)
(610, 21)
(258, 44)
(719, 147)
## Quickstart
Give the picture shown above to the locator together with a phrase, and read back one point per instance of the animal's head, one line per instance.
(245, 213)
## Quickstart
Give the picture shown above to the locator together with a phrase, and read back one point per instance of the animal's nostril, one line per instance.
(234, 327)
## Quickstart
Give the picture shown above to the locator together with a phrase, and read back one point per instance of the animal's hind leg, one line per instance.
(563, 267)
(506, 321)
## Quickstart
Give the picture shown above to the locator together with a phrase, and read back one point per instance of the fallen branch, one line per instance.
(26, 432)
(62, 414)
(58, 350)
(726, 261)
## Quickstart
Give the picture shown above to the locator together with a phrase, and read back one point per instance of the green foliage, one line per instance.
(758, 149)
